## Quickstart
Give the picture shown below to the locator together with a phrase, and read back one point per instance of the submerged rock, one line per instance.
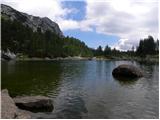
(34, 103)
(128, 71)
(8, 108)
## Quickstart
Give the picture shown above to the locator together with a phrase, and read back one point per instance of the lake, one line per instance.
(85, 89)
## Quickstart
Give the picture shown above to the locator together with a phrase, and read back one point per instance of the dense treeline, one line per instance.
(21, 39)
(146, 46)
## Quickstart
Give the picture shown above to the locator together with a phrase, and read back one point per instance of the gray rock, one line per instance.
(34, 103)
(128, 71)
(31, 21)
(22, 114)
(8, 55)
(8, 108)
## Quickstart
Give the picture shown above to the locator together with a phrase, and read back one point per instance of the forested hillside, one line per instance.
(21, 39)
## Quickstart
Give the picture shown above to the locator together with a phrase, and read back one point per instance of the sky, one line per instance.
(117, 23)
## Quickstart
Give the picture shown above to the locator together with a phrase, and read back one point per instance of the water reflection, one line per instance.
(30, 78)
(126, 81)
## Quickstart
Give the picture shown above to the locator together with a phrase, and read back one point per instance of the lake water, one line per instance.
(85, 89)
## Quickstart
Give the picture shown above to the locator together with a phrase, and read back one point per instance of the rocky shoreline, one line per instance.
(23, 107)
(148, 59)
(7, 56)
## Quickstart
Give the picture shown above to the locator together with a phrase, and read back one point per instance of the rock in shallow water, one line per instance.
(34, 103)
(128, 71)
(8, 108)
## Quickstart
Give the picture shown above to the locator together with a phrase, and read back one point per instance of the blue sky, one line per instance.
(91, 38)
(80, 8)
(117, 23)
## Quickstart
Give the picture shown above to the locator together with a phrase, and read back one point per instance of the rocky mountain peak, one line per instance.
(33, 22)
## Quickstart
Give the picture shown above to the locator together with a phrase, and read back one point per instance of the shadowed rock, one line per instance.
(128, 71)
(34, 103)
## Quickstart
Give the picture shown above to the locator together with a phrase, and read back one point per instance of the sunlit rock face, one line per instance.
(33, 22)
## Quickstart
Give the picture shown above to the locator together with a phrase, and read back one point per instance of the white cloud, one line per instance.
(42, 8)
(130, 20)
(68, 24)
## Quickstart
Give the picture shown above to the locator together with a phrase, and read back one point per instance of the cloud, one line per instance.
(42, 8)
(130, 20)
(68, 24)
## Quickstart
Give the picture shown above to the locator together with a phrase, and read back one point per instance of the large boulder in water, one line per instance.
(128, 71)
(34, 103)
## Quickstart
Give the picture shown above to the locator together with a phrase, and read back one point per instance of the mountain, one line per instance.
(29, 36)
(31, 21)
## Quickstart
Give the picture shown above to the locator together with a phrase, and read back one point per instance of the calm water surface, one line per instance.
(85, 89)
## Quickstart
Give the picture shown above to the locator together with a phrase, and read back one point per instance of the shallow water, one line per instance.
(85, 89)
